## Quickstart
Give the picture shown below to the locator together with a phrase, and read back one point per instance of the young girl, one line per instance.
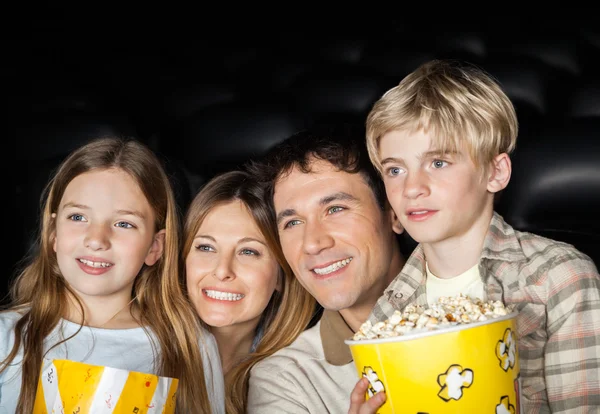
(238, 279)
(104, 286)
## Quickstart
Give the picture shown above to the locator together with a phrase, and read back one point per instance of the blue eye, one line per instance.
(204, 248)
(249, 252)
(124, 225)
(439, 163)
(291, 223)
(393, 171)
(335, 209)
(76, 217)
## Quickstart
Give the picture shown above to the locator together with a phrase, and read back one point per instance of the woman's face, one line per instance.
(231, 272)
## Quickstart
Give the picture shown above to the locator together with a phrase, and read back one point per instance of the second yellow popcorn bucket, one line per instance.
(471, 368)
(74, 387)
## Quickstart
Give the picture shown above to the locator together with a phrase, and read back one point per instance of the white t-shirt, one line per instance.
(468, 283)
(298, 379)
(128, 349)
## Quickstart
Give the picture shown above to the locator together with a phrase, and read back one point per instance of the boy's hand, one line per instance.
(358, 405)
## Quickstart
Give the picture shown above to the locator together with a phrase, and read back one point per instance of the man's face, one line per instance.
(336, 238)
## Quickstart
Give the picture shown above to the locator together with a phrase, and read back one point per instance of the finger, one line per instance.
(357, 398)
(373, 404)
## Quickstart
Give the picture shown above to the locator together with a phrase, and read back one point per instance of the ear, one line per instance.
(499, 175)
(396, 225)
(157, 248)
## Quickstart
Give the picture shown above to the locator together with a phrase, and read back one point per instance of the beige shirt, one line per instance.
(315, 374)
(468, 283)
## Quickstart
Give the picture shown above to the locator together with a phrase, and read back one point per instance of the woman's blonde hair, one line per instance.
(288, 312)
(456, 104)
(40, 292)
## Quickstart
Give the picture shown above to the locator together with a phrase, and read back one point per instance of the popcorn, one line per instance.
(446, 312)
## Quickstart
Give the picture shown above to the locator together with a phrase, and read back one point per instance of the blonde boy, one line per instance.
(441, 140)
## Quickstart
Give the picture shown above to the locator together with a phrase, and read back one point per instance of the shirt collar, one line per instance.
(334, 331)
(501, 242)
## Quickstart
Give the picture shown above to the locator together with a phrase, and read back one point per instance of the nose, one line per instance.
(316, 238)
(97, 237)
(416, 184)
(224, 270)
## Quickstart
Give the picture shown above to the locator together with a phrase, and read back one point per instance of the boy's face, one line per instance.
(438, 198)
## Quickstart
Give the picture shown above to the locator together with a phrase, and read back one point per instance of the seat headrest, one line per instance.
(555, 185)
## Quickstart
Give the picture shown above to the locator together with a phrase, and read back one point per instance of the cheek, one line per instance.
(266, 276)
(289, 248)
(195, 269)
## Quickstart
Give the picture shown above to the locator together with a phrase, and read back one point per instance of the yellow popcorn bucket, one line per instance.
(470, 368)
(74, 387)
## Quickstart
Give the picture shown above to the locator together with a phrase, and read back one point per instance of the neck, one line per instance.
(234, 342)
(451, 257)
(356, 315)
(102, 312)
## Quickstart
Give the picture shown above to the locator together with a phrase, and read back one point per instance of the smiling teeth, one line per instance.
(420, 212)
(215, 294)
(94, 264)
(333, 267)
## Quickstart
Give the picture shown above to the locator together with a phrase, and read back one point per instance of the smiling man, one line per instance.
(338, 235)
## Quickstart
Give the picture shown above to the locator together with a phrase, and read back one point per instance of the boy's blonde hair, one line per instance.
(456, 104)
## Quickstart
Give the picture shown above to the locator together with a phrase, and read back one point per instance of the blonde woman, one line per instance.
(238, 279)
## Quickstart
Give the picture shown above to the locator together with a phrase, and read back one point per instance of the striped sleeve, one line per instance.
(572, 352)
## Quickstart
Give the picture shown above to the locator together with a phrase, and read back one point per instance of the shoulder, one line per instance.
(306, 347)
(537, 258)
(8, 320)
(545, 256)
(546, 270)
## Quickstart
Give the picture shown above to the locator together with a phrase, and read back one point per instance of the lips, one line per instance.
(419, 214)
(222, 295)
(332, 267)
(94, 265)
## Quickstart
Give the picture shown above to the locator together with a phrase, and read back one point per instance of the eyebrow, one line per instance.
(339, 196)
(438, 153)
(428, 154)
(391, 160)
(120, 212)
(242, 240)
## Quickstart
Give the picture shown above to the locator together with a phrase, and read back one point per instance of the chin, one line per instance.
(218, 323)
(337, 303)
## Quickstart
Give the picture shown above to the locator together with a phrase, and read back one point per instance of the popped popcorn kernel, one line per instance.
(446, 312)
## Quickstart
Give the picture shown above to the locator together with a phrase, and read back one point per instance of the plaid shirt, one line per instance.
(556, 290)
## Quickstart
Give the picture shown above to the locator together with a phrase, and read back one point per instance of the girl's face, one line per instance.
(104, 235)
(231, 272)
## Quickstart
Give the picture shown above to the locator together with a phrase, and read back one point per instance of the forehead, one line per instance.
(299, 189)
(231, 218)
(111, 189)
(405, 143)
(97, 184)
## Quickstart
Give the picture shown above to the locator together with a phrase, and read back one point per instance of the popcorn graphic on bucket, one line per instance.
(74, 387)
(465, 361)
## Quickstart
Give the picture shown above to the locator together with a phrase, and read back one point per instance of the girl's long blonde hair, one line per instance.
(288, 312)
(40, 292)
